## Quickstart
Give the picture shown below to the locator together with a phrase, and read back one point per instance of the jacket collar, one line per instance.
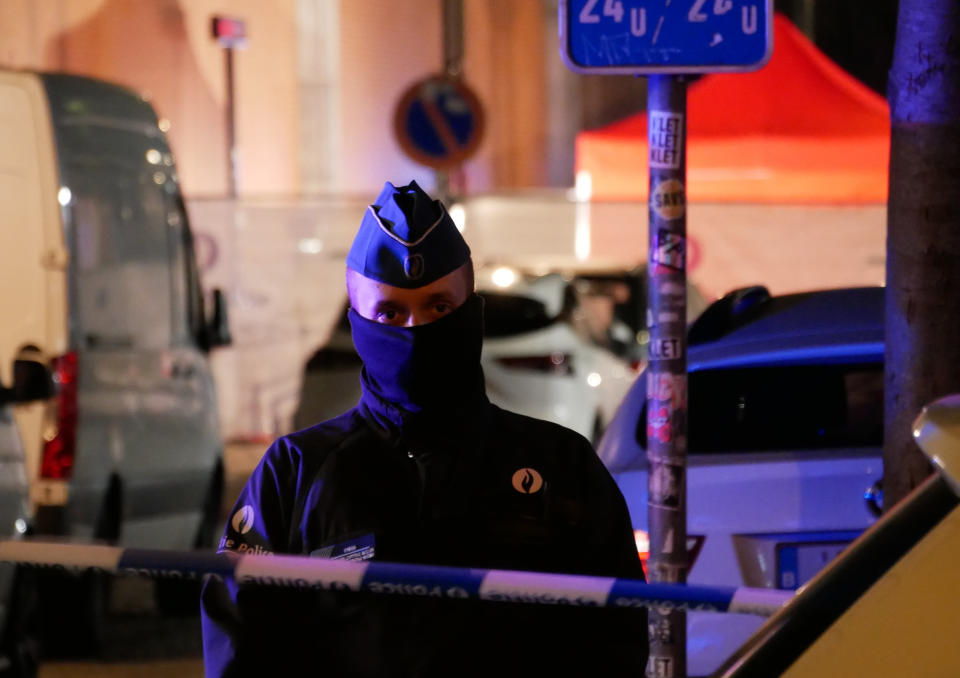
(461, 422)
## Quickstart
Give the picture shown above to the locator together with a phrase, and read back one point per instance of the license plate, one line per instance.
(798, 563)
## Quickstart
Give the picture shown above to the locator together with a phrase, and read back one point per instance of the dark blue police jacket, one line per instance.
(356, 487)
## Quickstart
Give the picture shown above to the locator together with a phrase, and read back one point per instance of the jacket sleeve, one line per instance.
(258, 524)
(623, 542)
(623, 633)
(615, 544)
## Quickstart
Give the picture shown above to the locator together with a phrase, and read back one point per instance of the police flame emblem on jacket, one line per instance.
(242, 520)
(527, 481)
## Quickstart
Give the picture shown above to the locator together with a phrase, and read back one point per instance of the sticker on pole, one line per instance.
(439, 122)
(665, 139)
(668, 200)
(668, 253)
(635, 37)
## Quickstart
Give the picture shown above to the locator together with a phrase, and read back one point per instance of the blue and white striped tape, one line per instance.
(394, 578)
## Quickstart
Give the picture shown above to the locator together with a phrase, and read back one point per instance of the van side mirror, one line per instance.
(218, 326)
(32, 380)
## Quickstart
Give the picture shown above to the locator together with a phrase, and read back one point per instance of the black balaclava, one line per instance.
(424, 377)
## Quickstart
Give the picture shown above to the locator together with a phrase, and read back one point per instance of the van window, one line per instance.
(129, 283)
(786, 408)
(122, 258)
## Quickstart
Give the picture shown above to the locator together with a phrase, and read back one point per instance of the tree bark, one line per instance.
(922, 360)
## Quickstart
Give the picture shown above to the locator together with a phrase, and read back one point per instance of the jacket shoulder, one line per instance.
(276, 486)
(521, 427)
(310, 447)
(531, 426)
(329, 432)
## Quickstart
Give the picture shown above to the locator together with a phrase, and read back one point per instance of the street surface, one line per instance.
(140, 643)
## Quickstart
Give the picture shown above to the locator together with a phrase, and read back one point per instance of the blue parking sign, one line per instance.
(640, 37)
(439, 121)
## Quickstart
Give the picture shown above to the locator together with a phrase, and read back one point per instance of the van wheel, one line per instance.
(20, 640)
(178, 597)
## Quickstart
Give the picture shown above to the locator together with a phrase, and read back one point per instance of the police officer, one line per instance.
(424, 470)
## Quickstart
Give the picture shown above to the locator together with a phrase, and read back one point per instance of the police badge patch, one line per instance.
(242, 520)
(413, 266)
(358, 548)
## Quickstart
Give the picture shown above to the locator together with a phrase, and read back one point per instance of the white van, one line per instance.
(99, 279)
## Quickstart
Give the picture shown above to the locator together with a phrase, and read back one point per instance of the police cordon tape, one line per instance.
(391, 578)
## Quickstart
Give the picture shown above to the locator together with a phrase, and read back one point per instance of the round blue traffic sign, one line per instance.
(439, 122)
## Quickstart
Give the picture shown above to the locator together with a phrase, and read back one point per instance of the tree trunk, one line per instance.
(923, 231)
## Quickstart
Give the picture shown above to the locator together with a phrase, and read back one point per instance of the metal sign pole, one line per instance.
(230, 125)
(438, 120)
(231, 34)
(453, 37)
(667, 370)
(452, 67)
(666, 41)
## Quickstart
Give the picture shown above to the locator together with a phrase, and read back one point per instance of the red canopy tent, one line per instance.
(800, 130)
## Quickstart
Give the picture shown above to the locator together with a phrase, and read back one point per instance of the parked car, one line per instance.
(100, 281)
(785, 419)
(889, 605)
(537, 361)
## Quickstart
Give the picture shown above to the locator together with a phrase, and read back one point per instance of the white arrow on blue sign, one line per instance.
(640, 37)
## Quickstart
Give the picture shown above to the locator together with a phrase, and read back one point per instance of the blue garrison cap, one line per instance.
(407, 239)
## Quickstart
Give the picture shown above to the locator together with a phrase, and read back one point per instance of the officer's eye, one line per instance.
(442, 308)
(387, 316)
